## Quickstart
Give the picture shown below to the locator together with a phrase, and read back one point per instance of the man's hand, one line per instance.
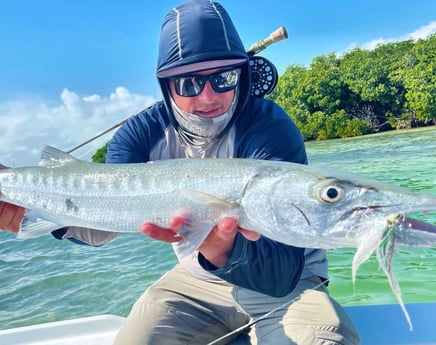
(169, 234)
(218, 245)
(10, 215)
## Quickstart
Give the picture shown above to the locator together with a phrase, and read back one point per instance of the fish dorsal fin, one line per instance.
(51, 156)
(202, 198)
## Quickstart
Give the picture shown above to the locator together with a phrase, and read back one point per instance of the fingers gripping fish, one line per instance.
(292, 203)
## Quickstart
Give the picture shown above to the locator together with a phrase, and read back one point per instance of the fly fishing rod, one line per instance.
(275, 36)
(264, 76)
(99, 135)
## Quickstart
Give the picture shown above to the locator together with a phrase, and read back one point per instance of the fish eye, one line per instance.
(331, 193)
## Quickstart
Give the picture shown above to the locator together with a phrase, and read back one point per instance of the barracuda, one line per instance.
(290, 203)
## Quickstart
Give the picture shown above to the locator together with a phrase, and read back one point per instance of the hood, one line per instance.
(199, 35)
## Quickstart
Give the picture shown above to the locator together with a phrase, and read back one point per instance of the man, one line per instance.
(236, 276)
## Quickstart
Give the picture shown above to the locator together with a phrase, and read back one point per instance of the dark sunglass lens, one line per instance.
(225, 81)
(191, 86)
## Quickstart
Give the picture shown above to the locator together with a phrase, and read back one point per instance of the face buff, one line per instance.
(200, 129)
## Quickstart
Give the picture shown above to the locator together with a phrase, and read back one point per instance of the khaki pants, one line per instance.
(180, 309)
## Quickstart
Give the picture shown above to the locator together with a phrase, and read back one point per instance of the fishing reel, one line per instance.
(264, 76)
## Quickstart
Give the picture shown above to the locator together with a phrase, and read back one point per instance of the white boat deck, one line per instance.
(377, 325)
(94, 330)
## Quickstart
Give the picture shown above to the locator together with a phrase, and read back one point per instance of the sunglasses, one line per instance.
(193, 85)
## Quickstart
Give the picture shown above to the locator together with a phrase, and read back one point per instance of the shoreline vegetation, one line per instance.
(362, 91)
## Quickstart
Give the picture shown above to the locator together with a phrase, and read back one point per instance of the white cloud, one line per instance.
(26, 124)
(421, 33)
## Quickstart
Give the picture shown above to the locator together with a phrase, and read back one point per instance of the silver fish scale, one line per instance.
(117, 197)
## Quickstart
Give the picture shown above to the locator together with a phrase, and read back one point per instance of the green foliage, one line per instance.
(100, 155)
(363, 91)
(419, 77)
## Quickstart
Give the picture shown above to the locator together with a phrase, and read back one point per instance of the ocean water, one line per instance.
(43, 280)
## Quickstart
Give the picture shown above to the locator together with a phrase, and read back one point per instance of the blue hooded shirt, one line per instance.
(199, 35)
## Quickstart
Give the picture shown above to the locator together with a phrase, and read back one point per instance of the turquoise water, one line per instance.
(44, 280)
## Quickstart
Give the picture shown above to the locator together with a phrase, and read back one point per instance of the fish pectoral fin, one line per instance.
(31, 227)
(194, 234)
(208, 199)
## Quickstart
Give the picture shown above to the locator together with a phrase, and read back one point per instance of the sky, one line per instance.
(71, 69)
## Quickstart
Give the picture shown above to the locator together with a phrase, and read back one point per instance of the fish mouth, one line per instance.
(406, 222)
(399, 220)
